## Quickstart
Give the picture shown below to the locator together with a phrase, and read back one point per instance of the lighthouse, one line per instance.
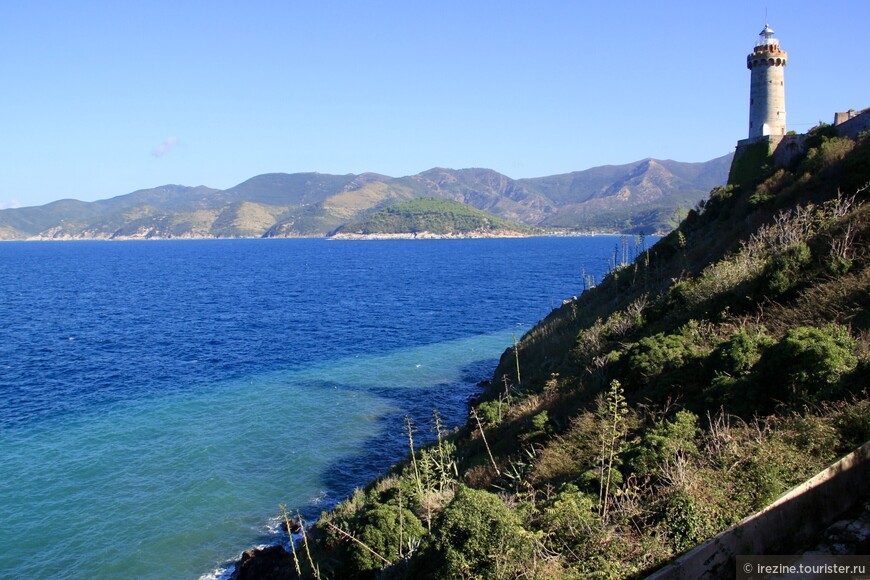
(767, 87)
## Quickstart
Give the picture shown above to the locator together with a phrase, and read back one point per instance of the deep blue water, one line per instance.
(159, 399)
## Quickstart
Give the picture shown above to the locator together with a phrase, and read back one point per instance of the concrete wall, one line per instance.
(856, 125)
(787, 148)
(793, 520)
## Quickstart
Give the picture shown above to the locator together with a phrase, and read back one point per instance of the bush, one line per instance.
(770, 467)
(569, 455)
(664, 442)
(571, 518)
(686, 521)
(819, 134)
(812, 436)
(491, 412)
(750, 167)
(479, 537)
(786, 268)
(733, 364)
(653, 355)
(721, 285)
(718, 204)
(541, 422)
(829, 152)
(768, 189)
(736, 356)
(807, 364)
(378, 528)
(853, 422)
(856, 165)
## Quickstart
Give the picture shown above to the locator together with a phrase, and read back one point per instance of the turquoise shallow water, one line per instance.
(161, 399)
(160, 485)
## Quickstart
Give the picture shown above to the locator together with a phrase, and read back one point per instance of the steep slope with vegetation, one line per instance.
(687, 390)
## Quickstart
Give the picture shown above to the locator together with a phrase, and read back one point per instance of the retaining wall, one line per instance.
(792, 520)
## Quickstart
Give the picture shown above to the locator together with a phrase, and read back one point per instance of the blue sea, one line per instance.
(160, 399)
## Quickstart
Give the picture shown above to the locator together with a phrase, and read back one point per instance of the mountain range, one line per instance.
(640, 197)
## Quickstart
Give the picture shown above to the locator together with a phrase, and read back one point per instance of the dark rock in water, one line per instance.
(291, 526)
(269, 563)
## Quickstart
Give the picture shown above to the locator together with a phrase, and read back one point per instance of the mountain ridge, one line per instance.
(638, 197)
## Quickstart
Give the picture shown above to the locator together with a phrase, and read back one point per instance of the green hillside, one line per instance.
(435, 216)
(687, 390)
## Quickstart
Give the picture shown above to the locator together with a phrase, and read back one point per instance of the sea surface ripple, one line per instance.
(159, 399)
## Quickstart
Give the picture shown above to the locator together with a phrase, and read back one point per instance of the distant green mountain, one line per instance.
(433, 216)
(641, 197)
(297, 189)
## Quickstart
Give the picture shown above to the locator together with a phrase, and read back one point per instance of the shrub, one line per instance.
(666, 441)
(655, 354)
(571, 517)
(479, 537)
(769, 467)
(853, 422)
(819, 134)
(592, 480)
(740, 352)
(491, 412)
(812, 436)
(686, 521)
(723, 390)
(733, 364)
(768, 189)
(750, 167)
(379, 528)
(718, 205)
(807, 364)
(785, 269)
(720, 285)
(856, 165)
(829, 152)
(570, 454)
(541, 422)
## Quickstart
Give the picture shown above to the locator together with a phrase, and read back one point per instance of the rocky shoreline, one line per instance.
(498, 234)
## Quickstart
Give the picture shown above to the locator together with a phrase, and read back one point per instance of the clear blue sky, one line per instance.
(100, 98)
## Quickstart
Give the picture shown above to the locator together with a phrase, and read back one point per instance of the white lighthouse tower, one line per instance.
(767, 87)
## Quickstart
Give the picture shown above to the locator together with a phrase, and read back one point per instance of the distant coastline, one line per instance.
(450, 236)
(341, 236)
